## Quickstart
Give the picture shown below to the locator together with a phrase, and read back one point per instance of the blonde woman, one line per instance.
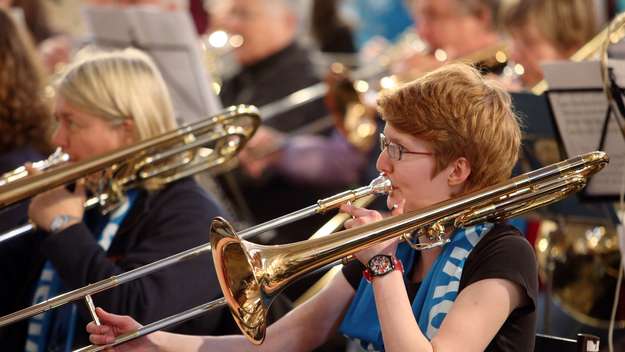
(476, 293)
(104, 102)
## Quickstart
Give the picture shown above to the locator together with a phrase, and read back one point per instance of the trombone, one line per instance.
(251, 275)
(380, 185)
(151, 163)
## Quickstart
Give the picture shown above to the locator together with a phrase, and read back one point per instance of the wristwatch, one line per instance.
(380, 265)
(58, 222)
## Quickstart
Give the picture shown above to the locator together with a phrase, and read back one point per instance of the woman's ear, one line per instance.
(129, 131)
(459, 172)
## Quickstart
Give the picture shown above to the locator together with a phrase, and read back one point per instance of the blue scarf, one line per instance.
(54, 330)
(433, 300)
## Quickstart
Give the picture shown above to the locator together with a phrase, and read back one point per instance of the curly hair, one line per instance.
(24, 112)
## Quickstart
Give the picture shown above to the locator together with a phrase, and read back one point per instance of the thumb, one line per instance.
(398, 208)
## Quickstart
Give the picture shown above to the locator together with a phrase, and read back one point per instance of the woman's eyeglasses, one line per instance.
(394, 150)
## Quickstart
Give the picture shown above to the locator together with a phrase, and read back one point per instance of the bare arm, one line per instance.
(475, 317)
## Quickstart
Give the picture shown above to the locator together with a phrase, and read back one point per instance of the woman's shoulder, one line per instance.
(502, 253)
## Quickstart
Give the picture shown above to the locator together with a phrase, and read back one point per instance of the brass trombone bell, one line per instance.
(252, 275)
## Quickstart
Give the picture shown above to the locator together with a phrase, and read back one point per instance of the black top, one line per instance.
(159, 224)
(273, 78)
(502, 253)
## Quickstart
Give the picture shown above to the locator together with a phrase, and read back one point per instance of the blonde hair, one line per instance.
(461, 114)
(119, 85)
(566, 24)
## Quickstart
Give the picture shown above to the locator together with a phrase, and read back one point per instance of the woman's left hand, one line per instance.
(46, 206)
(362, 216)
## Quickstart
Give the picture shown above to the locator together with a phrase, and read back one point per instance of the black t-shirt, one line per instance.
(502, 253)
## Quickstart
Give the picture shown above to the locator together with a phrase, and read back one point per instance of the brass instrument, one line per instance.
(57, 158)
(251, 275)
(380, 185)
(579, 260)
(151, 163)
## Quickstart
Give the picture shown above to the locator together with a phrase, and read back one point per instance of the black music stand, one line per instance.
(584, 121)
(169, 37)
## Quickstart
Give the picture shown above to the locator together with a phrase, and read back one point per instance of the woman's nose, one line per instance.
(384, 163)
(59, 136)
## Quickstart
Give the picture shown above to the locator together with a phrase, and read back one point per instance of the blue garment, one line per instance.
(385, 18)
(434, 298)
(54, 331)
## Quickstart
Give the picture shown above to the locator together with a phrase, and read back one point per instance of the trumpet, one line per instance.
(251, 275)
(152, 163)
(380, 185)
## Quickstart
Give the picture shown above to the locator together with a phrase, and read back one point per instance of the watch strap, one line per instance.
(58, 222)
(391, 263)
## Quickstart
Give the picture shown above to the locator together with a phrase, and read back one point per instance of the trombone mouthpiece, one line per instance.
(381, 185)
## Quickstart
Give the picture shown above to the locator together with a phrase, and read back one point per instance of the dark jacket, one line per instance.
(273, 78)
(159, 224)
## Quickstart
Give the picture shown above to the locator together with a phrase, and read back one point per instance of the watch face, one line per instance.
(380, 265)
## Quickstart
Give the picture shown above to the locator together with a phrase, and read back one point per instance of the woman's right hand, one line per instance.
(114, 325)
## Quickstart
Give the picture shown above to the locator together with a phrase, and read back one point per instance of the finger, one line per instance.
(31, 170)
(398, 208)
(80, 189)
(122, 322)
(358, 211)
(101, 339)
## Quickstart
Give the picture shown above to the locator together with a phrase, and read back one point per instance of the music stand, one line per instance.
(584, 121)
(170, 39)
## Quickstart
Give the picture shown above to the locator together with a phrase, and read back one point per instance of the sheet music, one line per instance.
(170, 39)
(579, 106)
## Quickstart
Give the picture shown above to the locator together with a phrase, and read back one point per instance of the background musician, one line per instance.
(289, 171)
(458, 27)
(544, 30)
(437, 145)
(104, 102)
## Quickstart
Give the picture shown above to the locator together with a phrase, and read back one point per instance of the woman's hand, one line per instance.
(362, 216)
(46, 206)
(114, 325)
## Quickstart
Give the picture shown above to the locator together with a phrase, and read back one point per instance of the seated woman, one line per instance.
(105, 102)
(544, 30)
(476, 293)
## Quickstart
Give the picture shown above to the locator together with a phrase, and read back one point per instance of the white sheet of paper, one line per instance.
(580, 115)
(170, 39)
